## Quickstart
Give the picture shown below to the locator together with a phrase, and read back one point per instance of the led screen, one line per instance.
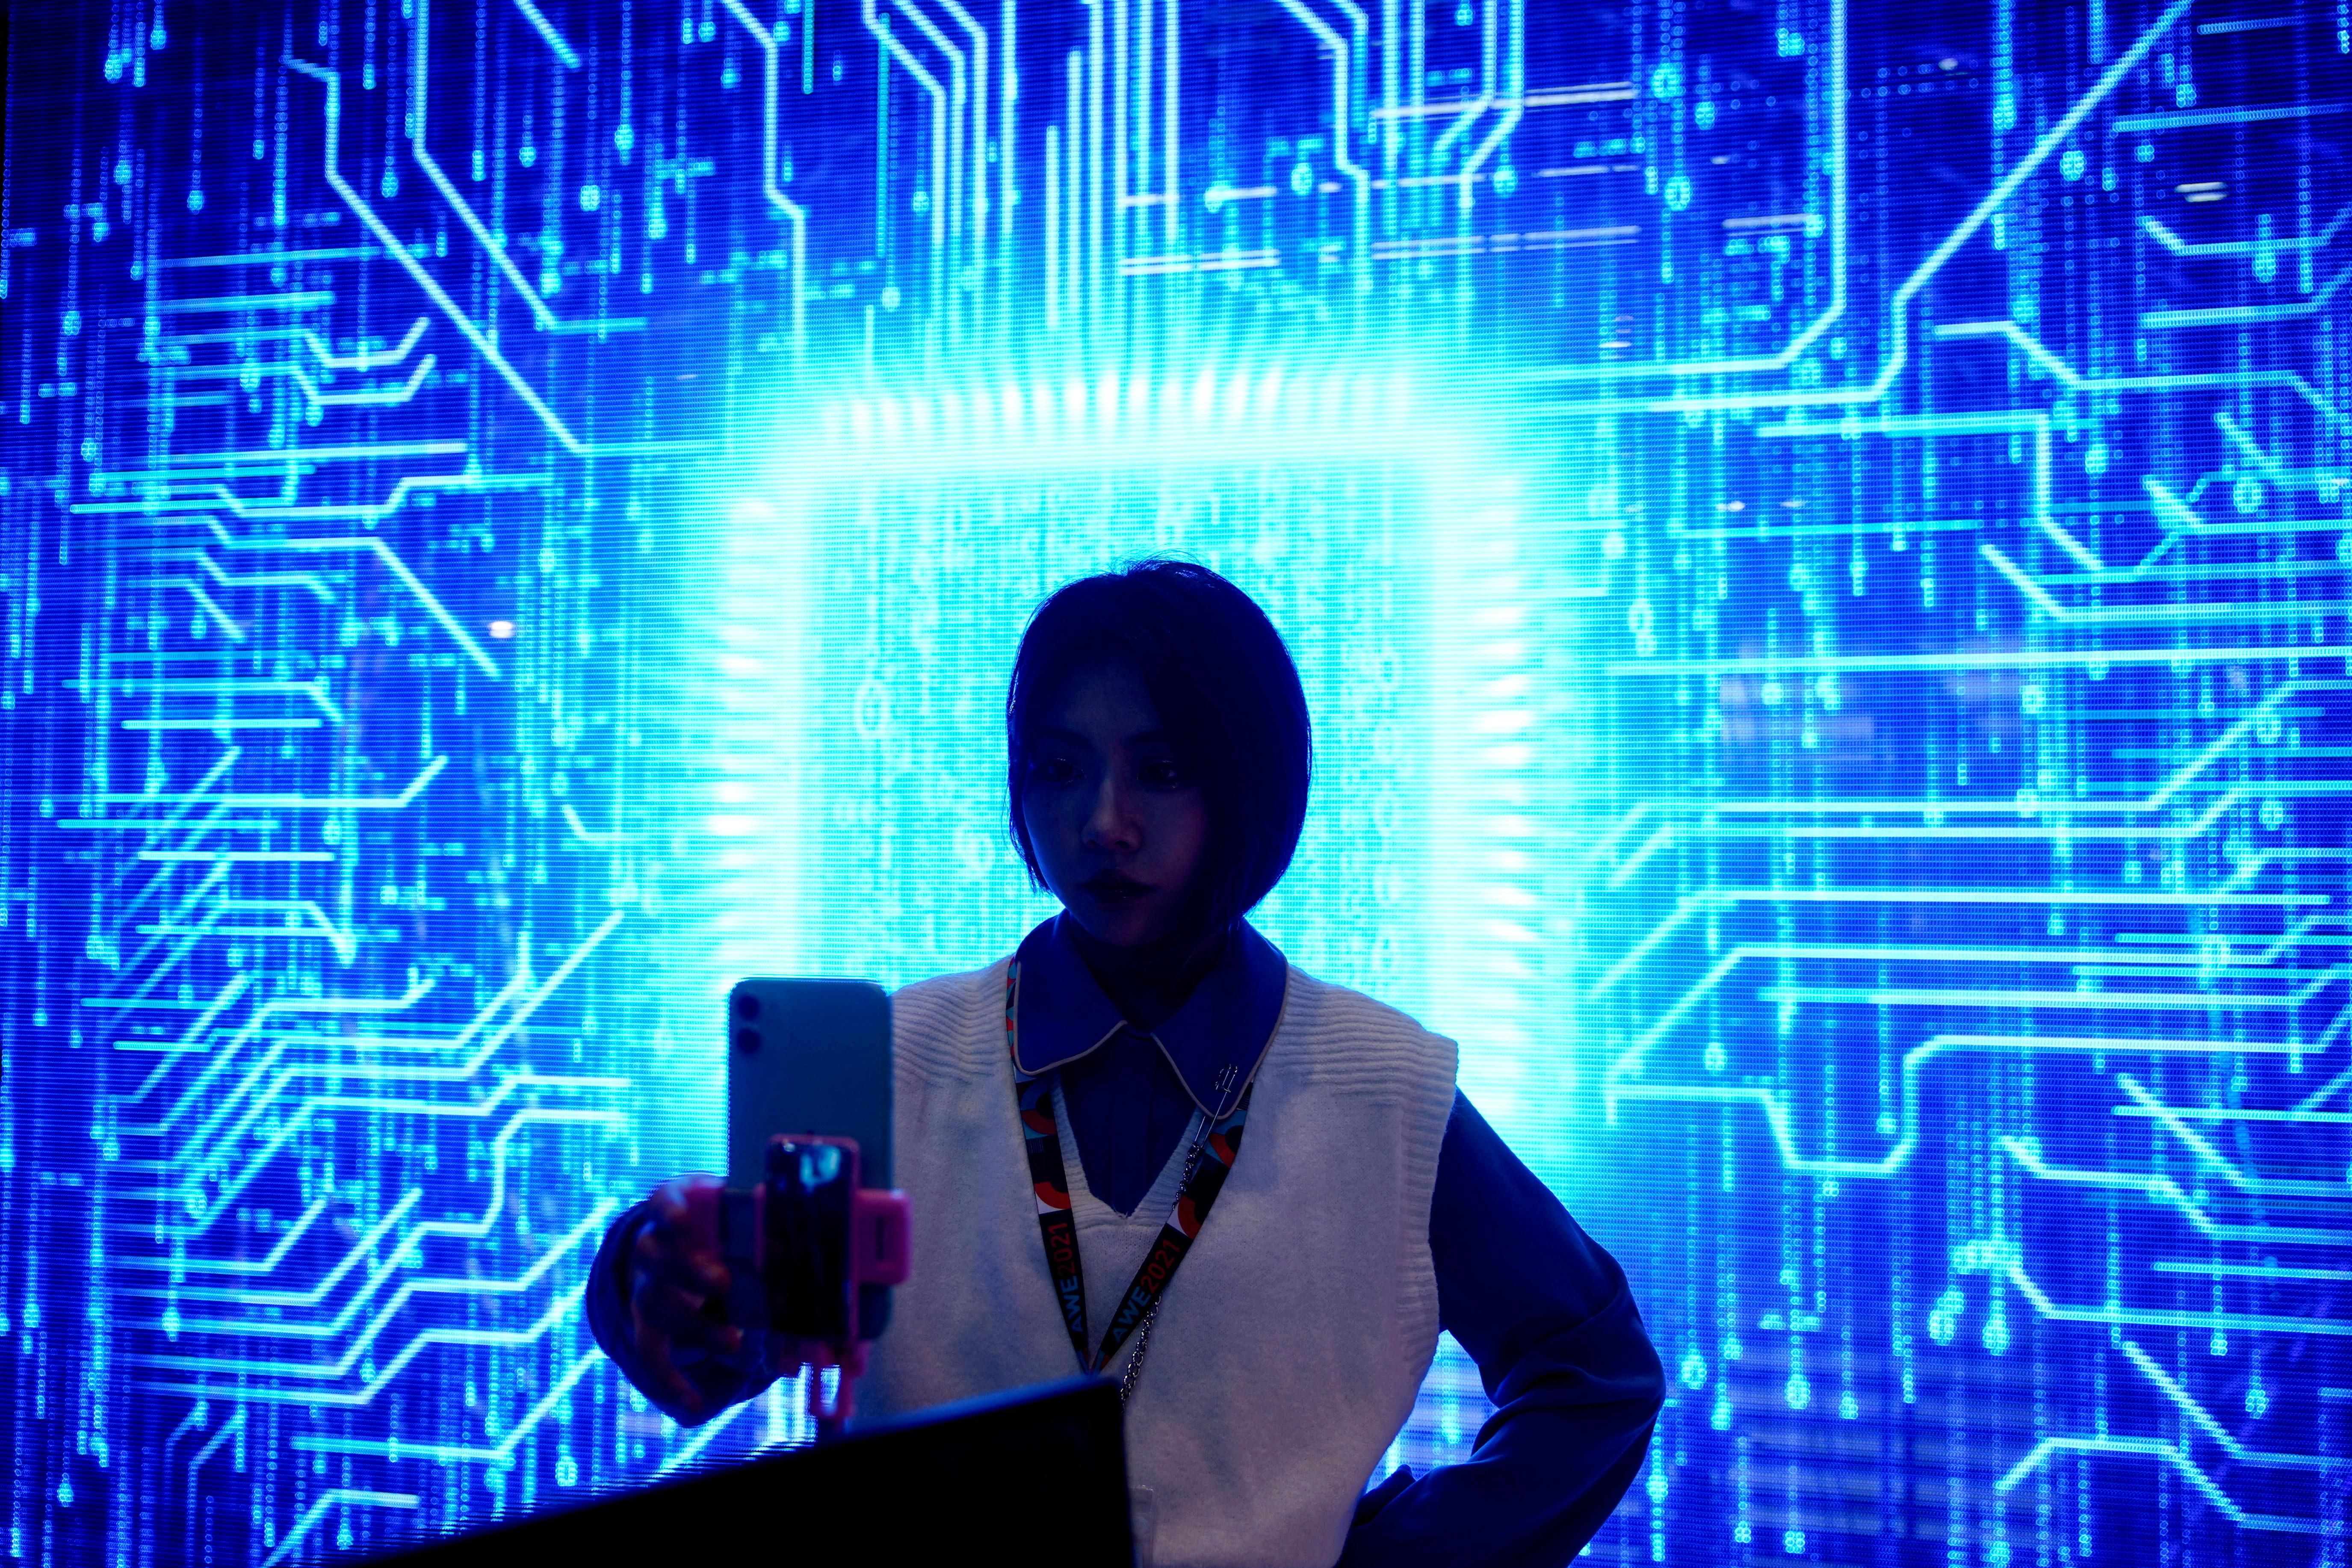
(1815, 535)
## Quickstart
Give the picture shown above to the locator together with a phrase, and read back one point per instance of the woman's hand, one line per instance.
(677, 1295)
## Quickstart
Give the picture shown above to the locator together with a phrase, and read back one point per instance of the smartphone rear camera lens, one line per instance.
(747, 1041)
(747, 1005)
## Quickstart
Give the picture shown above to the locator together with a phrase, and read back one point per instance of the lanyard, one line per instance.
(1219, 1140)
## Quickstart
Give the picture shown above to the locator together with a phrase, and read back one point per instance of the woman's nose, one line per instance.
(1110, 824)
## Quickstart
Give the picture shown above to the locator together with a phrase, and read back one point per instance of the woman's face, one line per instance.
(1118, 828)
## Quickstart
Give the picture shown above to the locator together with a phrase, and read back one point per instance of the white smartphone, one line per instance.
(808, 1058)
(807, 1055)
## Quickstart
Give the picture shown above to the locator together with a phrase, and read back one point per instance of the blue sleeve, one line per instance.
(1546, 1315)
(721, 1381)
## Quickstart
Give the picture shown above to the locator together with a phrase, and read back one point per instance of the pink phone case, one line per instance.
(878, 1248)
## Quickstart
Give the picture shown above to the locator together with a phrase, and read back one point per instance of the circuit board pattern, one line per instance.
(1815, 532)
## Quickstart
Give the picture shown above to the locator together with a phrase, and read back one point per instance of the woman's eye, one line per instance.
(1053, 770)
(1161, 773)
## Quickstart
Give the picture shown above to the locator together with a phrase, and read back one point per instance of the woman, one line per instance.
(1071, 1129)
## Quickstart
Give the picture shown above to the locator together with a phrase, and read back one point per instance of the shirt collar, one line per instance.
(1061, 1012)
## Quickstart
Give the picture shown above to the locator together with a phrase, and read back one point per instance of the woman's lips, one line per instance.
(1113, 888)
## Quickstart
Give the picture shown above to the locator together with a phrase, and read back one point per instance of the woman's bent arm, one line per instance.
(1546, 1315)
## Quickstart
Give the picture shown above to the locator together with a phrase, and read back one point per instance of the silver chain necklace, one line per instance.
(1151, 1314)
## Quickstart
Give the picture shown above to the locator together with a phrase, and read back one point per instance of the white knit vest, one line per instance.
(1290, 1345)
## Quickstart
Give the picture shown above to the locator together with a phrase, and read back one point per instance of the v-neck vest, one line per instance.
(1111, 1244)
(1291, 1343)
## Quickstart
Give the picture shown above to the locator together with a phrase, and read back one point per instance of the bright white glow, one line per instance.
(1264, 413)
(872, 810)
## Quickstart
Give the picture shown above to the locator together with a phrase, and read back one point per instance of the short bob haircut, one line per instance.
(1225, 688)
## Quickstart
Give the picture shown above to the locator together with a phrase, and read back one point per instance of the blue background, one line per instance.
(1815, 534)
